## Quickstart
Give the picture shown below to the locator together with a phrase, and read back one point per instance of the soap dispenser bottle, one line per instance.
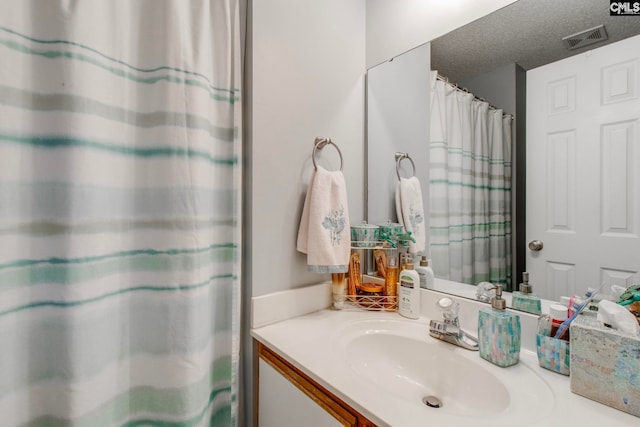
(525, 299)
(425, 272)
(409, 292)
(499, 333)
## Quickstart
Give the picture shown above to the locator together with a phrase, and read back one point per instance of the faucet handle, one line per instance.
(449, 309)
(445, 328)
(485, 291)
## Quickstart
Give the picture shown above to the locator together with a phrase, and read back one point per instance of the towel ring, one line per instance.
(319, 144)
(399, 158)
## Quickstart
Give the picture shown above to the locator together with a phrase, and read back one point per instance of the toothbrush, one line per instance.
(564, 325)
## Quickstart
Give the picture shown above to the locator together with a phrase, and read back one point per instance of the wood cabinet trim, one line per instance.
(319, 394)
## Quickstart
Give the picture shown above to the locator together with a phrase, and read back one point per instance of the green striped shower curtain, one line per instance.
(119, 216)
(470, 187)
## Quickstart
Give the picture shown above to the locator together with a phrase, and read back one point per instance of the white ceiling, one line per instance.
(527, 32)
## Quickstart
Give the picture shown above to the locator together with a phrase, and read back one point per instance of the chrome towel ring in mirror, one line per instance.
(401, 156)
(319, 144)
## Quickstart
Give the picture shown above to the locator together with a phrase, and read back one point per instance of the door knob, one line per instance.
(536, 245)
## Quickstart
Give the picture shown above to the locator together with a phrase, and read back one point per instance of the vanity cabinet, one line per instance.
(287, 397)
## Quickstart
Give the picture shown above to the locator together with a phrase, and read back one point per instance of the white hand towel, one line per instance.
(410, 212)
(398, 204)
(324, 233)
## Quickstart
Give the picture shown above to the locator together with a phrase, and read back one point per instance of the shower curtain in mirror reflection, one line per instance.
(119, 224)
(470, 187)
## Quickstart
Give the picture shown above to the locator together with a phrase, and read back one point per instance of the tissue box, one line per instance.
(605, 365)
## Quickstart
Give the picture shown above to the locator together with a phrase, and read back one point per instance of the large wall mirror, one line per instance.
(575, 156)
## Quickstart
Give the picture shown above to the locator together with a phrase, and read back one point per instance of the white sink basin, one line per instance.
(401, 358)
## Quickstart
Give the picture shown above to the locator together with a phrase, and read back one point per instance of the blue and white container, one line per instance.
(499, 333)
(525, 299)
(553, 354)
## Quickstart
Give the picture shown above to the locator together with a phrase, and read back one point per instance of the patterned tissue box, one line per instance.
(553, 354)
(605, 365)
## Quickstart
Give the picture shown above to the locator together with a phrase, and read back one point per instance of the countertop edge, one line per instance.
(568, 407)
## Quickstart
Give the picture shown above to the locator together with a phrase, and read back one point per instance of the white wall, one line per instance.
(396, 26)
(397, 112)
(307, 76)
(308, 80)
(497, 87)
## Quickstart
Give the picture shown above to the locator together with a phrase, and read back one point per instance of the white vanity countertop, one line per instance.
(310, 342)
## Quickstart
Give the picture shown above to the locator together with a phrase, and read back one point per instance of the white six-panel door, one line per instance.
(583, 170)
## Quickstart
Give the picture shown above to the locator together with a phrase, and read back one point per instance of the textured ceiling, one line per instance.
(527, 32)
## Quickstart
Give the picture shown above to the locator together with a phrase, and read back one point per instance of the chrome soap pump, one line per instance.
(499, 332)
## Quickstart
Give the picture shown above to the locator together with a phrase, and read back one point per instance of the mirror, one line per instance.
(527, 33)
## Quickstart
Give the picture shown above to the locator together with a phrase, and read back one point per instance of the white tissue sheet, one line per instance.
(618, 317)
(324, 232)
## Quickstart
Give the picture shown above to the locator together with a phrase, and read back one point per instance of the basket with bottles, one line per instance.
(372, 279)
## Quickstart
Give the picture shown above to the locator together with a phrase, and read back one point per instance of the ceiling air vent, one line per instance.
(585, 38)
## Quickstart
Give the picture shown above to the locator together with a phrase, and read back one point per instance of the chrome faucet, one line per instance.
(449, 330)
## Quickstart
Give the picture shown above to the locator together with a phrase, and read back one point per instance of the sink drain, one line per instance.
(432, 402)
